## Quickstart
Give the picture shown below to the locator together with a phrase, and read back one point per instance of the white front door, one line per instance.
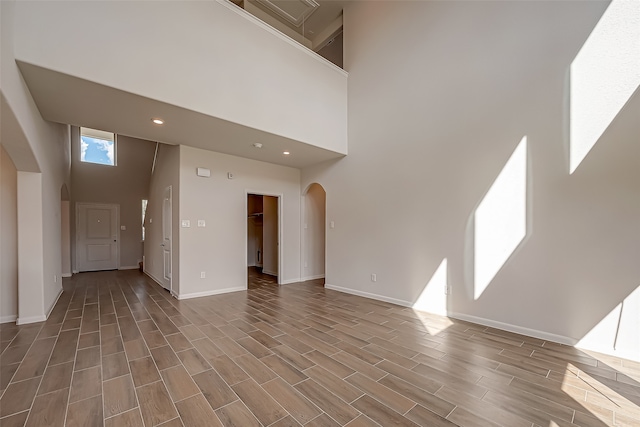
(166, 237)
(97, 236)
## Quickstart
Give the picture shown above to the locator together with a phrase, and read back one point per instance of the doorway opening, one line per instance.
(314, 233)
(263, 239)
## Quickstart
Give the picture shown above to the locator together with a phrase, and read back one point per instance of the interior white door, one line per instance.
(166, 237)
(97, 236)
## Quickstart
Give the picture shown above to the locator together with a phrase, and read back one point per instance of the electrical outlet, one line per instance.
(374, 277)
(202, 275)
(447, 290)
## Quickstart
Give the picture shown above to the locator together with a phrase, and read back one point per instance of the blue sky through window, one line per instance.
(95, 150)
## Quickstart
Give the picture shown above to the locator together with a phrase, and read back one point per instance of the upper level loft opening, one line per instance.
(315, 24)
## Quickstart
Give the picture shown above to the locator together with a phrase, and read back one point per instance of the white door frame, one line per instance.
(280, 198)
(168, 189)
(97, 205)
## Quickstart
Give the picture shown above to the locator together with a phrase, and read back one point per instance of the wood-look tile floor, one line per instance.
(117, 350)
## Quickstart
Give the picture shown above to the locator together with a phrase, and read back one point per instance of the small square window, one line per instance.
(97, 146)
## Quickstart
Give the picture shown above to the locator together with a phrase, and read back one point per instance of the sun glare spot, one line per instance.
(500, 221)
(618, 333)
(433, 298)
(604, 75)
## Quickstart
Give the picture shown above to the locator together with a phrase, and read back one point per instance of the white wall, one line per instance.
(270, 235)
(36, 147)
(32, 283)
(440, 94)
(125, 184)
(223, 60)
(220, 248)
(166, 173)
(313, 233)
(8, 239)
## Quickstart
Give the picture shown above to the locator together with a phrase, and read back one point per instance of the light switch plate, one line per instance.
(201, 223)
(203, 172)
(123, 227)
(186, 223)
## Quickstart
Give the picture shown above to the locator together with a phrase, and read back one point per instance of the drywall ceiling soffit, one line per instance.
(66, 99)
(14, 140)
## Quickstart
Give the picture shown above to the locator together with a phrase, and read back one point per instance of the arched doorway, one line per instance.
(314, 232)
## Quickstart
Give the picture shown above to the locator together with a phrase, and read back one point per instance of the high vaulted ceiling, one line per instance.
(294, 103)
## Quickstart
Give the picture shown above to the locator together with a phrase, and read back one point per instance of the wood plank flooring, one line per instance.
(118, 350)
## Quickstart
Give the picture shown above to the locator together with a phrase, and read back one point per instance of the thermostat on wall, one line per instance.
(203, 172)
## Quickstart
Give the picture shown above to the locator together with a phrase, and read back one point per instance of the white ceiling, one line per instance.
(66, 99)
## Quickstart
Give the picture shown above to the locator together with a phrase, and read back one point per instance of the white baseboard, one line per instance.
(171, 291)
(468, 318)
(55, 300)
(32, 319)
(66, 275)
(8, 319)
(515, 329)
(368, 295)
(129, 267)
(270, 273)
(292, 281)
(152, 277)
(42, 317)
(210, 293)
(144, 270)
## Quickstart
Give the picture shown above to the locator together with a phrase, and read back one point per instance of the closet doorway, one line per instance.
(263, 233)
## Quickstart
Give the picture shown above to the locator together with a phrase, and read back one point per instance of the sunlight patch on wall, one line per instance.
(500, 222)
(433, 298)
(618, 333)
(604, 75)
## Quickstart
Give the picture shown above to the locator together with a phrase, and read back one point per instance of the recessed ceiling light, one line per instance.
(286, 153)
(158, 121)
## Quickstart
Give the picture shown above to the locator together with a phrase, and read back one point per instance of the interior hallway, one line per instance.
(118, 350)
